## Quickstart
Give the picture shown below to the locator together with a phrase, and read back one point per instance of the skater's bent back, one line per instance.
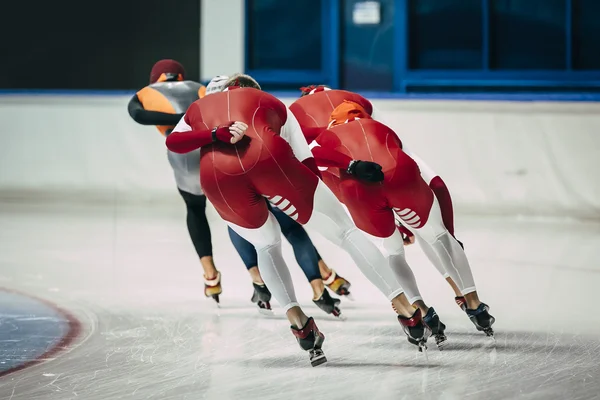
(260, 110)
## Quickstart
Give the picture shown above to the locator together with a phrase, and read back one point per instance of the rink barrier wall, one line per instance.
(497, 157)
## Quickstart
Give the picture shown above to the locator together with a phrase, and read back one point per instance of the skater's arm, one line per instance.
(292, 133)
(311, 133)
(327, 156)
(184, 139)
(144, 117)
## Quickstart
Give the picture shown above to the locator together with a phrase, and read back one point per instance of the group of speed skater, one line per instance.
(329, 162)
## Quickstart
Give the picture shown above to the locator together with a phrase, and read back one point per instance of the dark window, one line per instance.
(367, 50)
(445, 34)
(284, 34)
(97, 45)
(586, 33)
(528, 34)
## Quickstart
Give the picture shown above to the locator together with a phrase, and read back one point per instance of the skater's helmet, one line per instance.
(241, 81)
(167, 70)
(216, 84)
(346, 112)
(312, 89)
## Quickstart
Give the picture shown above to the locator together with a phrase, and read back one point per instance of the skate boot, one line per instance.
(311, 339)
(482, 319)
(462, 303)
(262, 298)
(416, 330)
(329, 304)
(339, 285)
(432, 320)
(212, 287)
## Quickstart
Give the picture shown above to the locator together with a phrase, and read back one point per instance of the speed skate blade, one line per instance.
(441, 341)
(317, 357)
(424, 351)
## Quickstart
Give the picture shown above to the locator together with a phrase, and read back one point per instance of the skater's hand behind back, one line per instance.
(366, 170)
(237, 130)
(231, 132)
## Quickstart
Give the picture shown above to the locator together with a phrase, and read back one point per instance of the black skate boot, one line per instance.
(311, 339)
(262, 298)
(415, 329)
(212, 287)
(339, 285)
(482, 319)
(329, 304)
(461, 302)
(432, 320)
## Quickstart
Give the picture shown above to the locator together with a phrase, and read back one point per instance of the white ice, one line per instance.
(130, 274)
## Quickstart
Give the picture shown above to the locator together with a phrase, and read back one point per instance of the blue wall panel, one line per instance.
(479, 45)
(367, 51)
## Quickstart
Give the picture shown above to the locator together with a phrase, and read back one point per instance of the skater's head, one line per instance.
(348, 111)
(217, 84)
(242, 81)
(167, 71)
(312, 89)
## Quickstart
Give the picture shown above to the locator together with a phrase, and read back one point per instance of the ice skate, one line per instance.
(482, 319)
(262, 298)
(339, 285)
(432, 320)
(461, 302)
(212, 287)
(329, 305)
(416, 330)
(311, 339)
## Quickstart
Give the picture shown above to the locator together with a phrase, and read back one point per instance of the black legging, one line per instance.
(197, 223)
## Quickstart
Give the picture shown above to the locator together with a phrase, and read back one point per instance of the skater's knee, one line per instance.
(193, 201)
(296, 235)
(350, 233)
(267, 244)
(394, 244)
(432, 232)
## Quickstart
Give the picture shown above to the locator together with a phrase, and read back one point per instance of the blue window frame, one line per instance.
(437, 41)
(428, 45)
(299, 49)
(293, 44)
(367, 50)
(586, 34)
(528, 35)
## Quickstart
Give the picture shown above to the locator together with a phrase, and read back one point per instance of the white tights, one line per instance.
(330, 220)
(394, 247)
(444, 252)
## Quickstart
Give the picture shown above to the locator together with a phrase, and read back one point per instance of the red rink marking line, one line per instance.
(63, 344)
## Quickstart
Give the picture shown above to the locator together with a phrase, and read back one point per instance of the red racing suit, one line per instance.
(313, 112)
(372, 205)
(272, 160)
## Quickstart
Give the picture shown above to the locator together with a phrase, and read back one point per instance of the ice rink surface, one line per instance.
(130, 275)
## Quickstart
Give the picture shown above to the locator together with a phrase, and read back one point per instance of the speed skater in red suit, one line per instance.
(252, 148)
(314, 110)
